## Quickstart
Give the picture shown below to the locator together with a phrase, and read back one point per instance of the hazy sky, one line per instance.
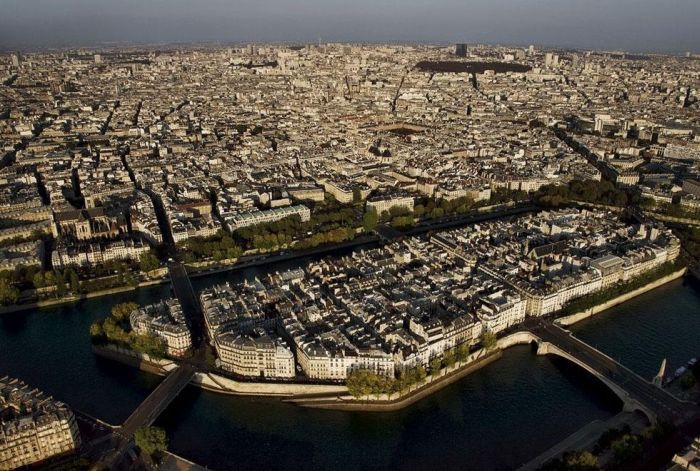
(636, 25)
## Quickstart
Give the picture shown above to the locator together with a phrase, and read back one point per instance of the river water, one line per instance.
(497, 418)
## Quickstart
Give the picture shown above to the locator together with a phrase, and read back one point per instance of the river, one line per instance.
(497, 418)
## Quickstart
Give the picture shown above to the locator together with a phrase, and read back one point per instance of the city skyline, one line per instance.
(333, 235)
(623, 25)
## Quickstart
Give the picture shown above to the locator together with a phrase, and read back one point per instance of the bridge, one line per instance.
(145, 414)
(176, 380)
(159, 399)
(635, 392)
(182, 287)
(156, 402)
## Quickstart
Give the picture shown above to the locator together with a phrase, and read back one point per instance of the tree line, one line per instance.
(363, 383)
(618, 289)
(220, 246)
(589, 191)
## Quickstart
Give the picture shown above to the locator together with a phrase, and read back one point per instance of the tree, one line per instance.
(151, 440)
(437, 213)
(362, 383)
(421, 374)
(148, 261)
(74, 281)
(60, 284)
(402, 222)
(97, 333)
(49, 278)
(9, 294)
(419, 210)
(449, 359)
(370, 219)
(627, 448)
(488, 340)
(122, 311)
(148, 344)
(687, 381)
(581, 461)
(462, 352)
(38, 280)
(573, 461)
(435, 364)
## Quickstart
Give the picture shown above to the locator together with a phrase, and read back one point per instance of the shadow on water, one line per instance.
(594, 388)
(476, 423)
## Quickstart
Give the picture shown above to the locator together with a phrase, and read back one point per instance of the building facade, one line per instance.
(33, 427)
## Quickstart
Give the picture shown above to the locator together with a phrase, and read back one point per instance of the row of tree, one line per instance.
(325, 226)
(675, 210)
(13, 282)
(59, 283)
(436, 208)
(589, 191)
(333, 236)
(618, 289)
(220, 246)
(363, 383)
(152, 441)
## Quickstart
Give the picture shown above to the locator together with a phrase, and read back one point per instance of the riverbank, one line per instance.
(323, 396)
(336, 397)
(384, 403)
(46, 303)
(216, 382)
(572, 319)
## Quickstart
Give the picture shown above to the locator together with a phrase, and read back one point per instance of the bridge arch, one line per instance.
(629, 404)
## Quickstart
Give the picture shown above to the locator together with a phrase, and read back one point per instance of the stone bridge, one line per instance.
(629, 403)
(636, 393)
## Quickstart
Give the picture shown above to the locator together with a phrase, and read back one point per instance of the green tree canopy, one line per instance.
(462, 352)
(121, 311)
(488, 340)
(148, 261)
(370, 219)
(151, 440)
(97, 333)
(362, 383)
(627, 448)
(435, 365)
(449, 358)
(9, 294)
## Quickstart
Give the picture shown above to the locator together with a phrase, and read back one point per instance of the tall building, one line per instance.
(15, 59)
(461, 50)
(33, 427)
(98, 59)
